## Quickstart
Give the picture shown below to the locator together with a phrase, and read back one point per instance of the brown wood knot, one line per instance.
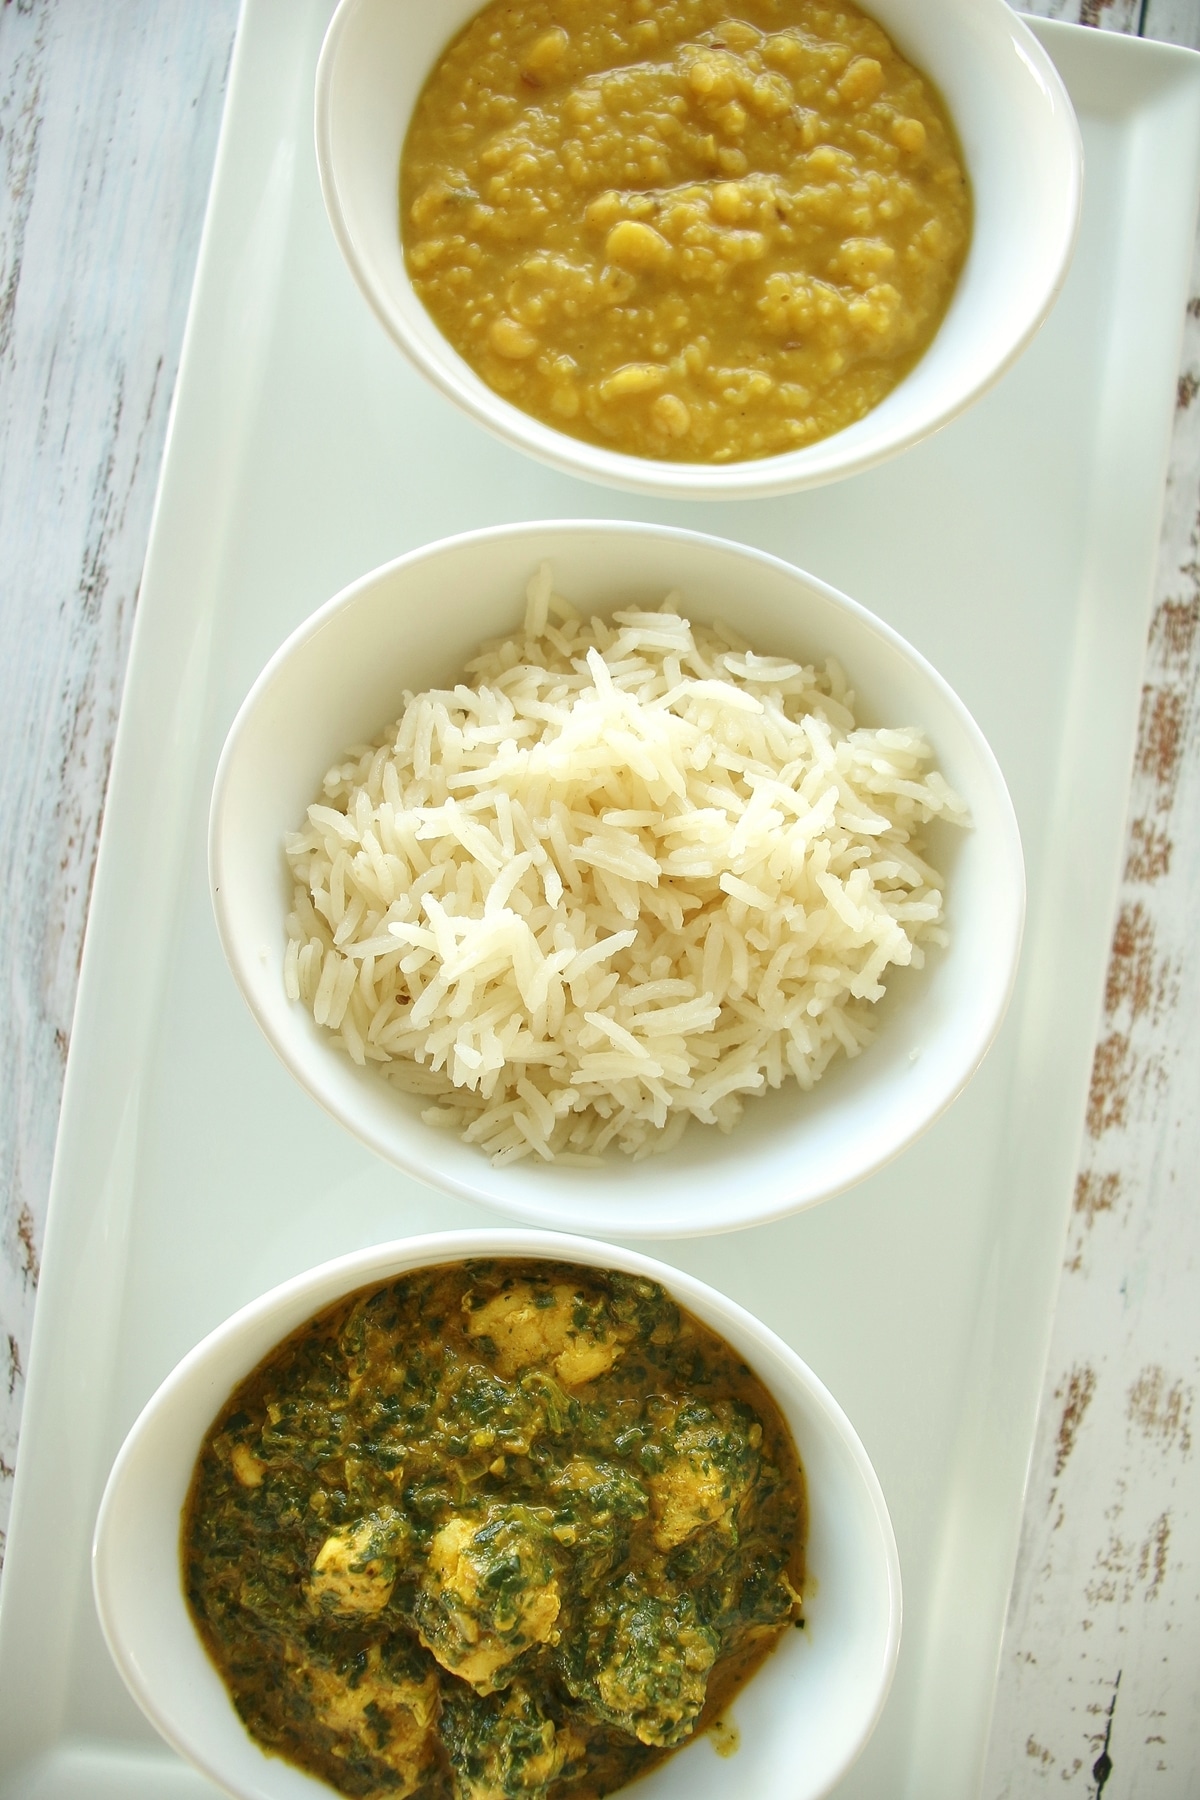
(1131, 979)
(1150, 851)
(1096, 1194)
(1161, 1411)
(1076, 1397)
(31, 1268)
(1161, 737)
(1153, 1556)
(1102, 1768)
(1113, 1068)
(15, 1371)
(1173, 627)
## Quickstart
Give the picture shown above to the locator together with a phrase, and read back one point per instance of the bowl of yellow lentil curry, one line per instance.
(500, 1513)
(701, 247)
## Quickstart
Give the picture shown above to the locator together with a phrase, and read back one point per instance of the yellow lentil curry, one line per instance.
(680, 234)
(493, 1529)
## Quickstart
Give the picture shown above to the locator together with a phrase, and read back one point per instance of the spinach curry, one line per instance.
(493, 1529)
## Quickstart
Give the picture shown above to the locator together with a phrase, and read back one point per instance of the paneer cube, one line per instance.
(489, 1591)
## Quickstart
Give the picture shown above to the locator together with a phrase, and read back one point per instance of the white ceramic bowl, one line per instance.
(413, 624)
(1022, 149)
(802, 1719)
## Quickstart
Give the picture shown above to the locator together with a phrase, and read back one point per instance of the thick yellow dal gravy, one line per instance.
(679, 234)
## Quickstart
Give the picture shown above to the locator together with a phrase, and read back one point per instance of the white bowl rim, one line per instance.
(790, 472)
(428, 1170)
(340, 1276)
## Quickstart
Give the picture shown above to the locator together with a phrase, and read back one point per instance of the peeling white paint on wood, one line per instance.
(1173, 21)
(108, 123)
(1098, 1692)
(1099, 1673)
(1109, 15)
(108, 118)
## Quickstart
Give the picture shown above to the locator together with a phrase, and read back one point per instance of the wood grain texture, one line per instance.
(1108, 15)
(108, 121)
(1172, 22)
(1099, 1674)
(1098, 1678)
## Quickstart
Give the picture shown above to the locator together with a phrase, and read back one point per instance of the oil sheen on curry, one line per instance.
(679, 233)
(493, 1529)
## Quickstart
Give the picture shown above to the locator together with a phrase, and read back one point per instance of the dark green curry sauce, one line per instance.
(493, 1529)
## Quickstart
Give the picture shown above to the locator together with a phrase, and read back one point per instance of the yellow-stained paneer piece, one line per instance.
(689, 1494)
(490, 1592)
(700, 1484)
(653, 1658)
(355, 1571)
(609, 1491)
(689, 1658)
(391, 1721)
(679, 234)
(509, 1751)
(539, 1327)
(248, 1468)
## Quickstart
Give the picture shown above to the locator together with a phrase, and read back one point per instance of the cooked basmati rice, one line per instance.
(622, 875)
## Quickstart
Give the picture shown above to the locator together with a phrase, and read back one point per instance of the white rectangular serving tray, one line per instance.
(1016, 550)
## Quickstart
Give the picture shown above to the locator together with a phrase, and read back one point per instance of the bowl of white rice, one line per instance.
(617, 877)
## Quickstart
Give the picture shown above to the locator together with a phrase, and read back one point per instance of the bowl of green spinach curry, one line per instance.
(505, 1513)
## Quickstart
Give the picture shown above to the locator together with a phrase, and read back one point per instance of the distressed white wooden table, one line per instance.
(108, 119)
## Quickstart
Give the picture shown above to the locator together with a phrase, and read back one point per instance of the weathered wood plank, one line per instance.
(108, 121)
(1173, 22)
(1108, 15)
(1099, 1670)
(1097, 1679)
(1170, 21)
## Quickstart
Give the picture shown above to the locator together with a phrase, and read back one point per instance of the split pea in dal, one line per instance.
(678, 234)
